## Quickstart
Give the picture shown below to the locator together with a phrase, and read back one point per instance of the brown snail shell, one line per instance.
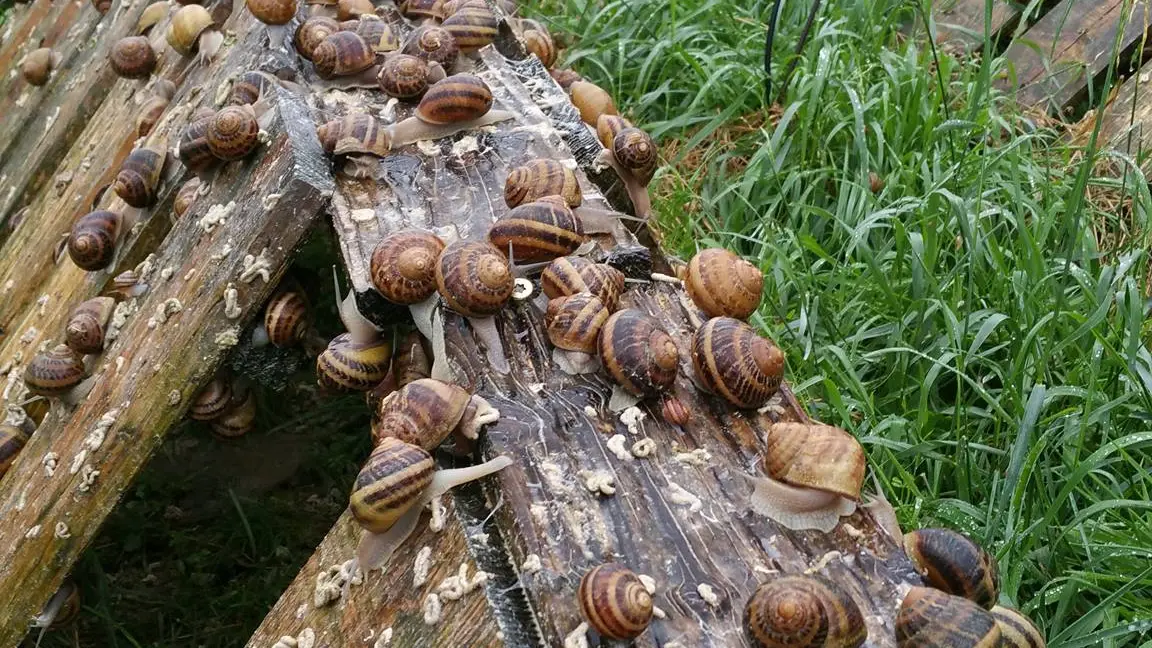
(1016, 629)
(411, 362)
(570, 275)
(186, 27)
(12, 440)
(250, 87)
(420, 9)
(187, 195)
(608, 127)
(92, 242)
(212, 400)
(350, 9)
(722, 284)
(540, 43)
(639, 355)
(88, 324)
(675, 411)
(341, 54)
(458, 98)
(404, 76)
(474, 278)
(61, 610)
(154, 107)
(312, 32)
(951, 562)
(540, 178)
(422, 413)
(138, 181)
(731, 360)
(795, 611)
(816, 456)
(565, 77)
(592, 101)
(404, 266)
(101, 6)
(574, 323)
(347, 365)
(378, 34)
(38, 65)
(538, 231)
(193, 149)
(433, 44)
(126, 285)
(233, 133)
(355, 133)
(390, 483)
(238, 418)
(929, 617)
(273, 12)
(636, 152)
(473, 27)
(132, 57)
(287, 318)
(54, 372)
(614, 601)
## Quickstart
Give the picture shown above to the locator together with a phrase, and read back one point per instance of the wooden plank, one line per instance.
(1053, 63)
(555, 426)
(962, 22)
(1127, 122)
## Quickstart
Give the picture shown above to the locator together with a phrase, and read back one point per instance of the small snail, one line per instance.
(538, 231)
(391, 490)
(422, 10)
(815, 473)
(632, 154)
(639, 355)
(343, 54)
(731, 360)
(94, 239)
(275, 14)
(287, 319)
(379, 35)
(425, 412)
(38, 65)
(350, 9)
(795, 611)
(722, 284)
(132, 57)
(571, 275)
(88, 324)
(356, 132)
(411, 362)
(614, 601)
(540, 43)
(238, 418)
(540, 178)
(453, 104)
(407, 77)
(233, 132)
(350, 365)
(126, 285)
(929, 618)
(151, 16)
(212, 400)
(193, 149)
(953, 563)
(187, 195)
(12, 440)
(312, 32)
(565, 78)
(675, 411)
(1016, 629)
(192, 32)
(138, 181)
(574, 324)
(58, 373)
(473, 26)
(433, 44)
(154, 107)
(592, 101)
(250, 88)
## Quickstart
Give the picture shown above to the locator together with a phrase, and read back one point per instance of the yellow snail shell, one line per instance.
(722, 284)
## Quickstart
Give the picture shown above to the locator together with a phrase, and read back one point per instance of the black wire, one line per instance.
(799, 48)
(768, 52)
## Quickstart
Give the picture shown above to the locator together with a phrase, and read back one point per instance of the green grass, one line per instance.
(981, 322)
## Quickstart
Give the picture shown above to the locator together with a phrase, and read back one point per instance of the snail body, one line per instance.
(12, 440)
(722, 284)
(731, 360)
(233, 132)
(639, 355)
(614, 601)
(88, 324)
(57, 373)
(632, 154)
(573, 324)
(1016, 629)
(433, 44)
(798, 611)
(425, 412)
(570, 275)
(540, 178)
(212, 400)
(138, 181)
(192, 32)
(953, 563)
(132, 57)
(349, 365)
(929, 618)
(39, 64)
(93, 239)
(286, 319)
(450, 105)
(538, 231)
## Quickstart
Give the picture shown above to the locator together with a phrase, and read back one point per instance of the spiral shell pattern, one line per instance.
(87, 325)
(238, 418)
(953, 563)
(433, 44)
(538, 231)
(378, 34)
(675, 411)
(473, 27)
(352, 366)
(287, 318)
(813, 455)
(455, 99)
(570, 275)
(233, 133)
(474, 278)
(311, 33)
(639, 355)
(55, 372)
(723, 285)
(540, 43)
(273, 12)
(390, 483)
(404, 266)
(1016, 629)
(636, 152)
(341, 54)
(731, 360)
(614, 601)
(929, 618)
(12, 440)
(139, 177)
(540, 178)
(92, 242)
(250, 87)
(794, 611)
(574, 323)
(212, 399)
(422, 413)
(193, 149)
(132, 57)
(403, 76)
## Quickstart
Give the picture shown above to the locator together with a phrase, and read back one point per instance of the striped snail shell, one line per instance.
(250, 87)
(38, 65)
(929, 617)
(458, 98)
(565, 77)
(54, 372)
(138, 181)
(592, 101)
(233, 132)
(356, 133)
(193, 149)
(212, 400)
(433, 44)
(474, 278)
(87, 325)
(420, 9)
(186, 27)
(540, 43)
(639, 355)
(538, 231)
(473, 27)
(539, 178)
(391, 482)
(411, 362)
(12, 440)
(795, 611)
(722, 284)
(312, 32)
(614, 601)
(675, 411)
(126, 285)
(378, 34)
(574, 322)
(636, 152)
(341, 54)
(273, 12)
(132, 57)
(238, 417)
(352, 9)
(731, 360)
(608, 126)
(1016, 629)
(422, 413)
(953, 563)
(347, 365)
(404, 76)
(817, 456)
(187, 195)
(287, 318)
(404, 266)
(572, 274)
(92, 242)
(154, 107)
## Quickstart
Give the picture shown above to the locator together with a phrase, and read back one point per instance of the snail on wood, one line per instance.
(193, 32)
(58, 373)
(451, 7)
(126, 285)
(275, 14)
(639, 355)
(88, 324)
(1016, 629)
(632, 154)
(434, 44)
(929, 618)
(391, 490)
(722, 284)
(138, 181)
(151, 16)
(425, 412)
(250, 87)
(95, 238)
(573, 324)
(347, 55)
(357, 360)
(132, 57)
(799, 611)
(951, 562)
(239, 417)
(193, 150)
(403, 270)
(572, 274)
(539, 178)
(212, 400)
(12, 440)
(473, 26)
(312, 32)
(287, 319)
(186, 196)
(614, 601)
(475, 280)
(732, 361)
(60, 610)
(351, 9)
(38, 65)
(233, 132)
(538, 231)
(321, 8)
(592, 101)
(814, 476)
(162, 92)
(407, 77)
(674, 411)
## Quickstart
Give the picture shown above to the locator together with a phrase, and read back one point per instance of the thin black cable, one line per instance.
(799, 49)
(768, 52)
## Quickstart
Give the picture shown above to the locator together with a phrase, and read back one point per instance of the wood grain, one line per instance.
(962, 22)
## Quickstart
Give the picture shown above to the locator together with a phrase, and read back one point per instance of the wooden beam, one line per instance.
(962, 22)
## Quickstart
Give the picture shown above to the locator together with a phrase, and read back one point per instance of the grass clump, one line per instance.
(952, 280)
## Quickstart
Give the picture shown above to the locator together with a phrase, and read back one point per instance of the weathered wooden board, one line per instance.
(1127, 121)
(963, 21)
(1053, 63)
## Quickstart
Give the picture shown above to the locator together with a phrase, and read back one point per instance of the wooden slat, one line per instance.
(1053, 63)
(962, 21)
(1127, 121)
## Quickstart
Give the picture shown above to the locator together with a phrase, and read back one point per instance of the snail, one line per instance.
(185, 196)
(138, 181)
(357, 360)
(193, 32)
(639, 355)
(539, 178)
(539, 42)
(951, 562)
(425, 412)
(95, 238)
(233, 132)
(379, 35)
(929, 618)
(38, 65)
(58, 373)
(451, 105)
(286, 319)
(422, 10)
(451, 7)
(154, 107)
(1016, 629)
(433, 44)
(88, 324)
(614, 601)
(60, 610)
(573, 324)
(391, 490)
(674, 411)
(312, 32)
(151, 16)
(344, 54)
(411, 362)
(350, 9)
(814, 476)
(403, 270)
(473, 26)
(250, 87)
(475, 280)
(12, 440)
(321, 8)
(132, 57)
(722, 284)
(238, 417)
(565, 77)
(275, 14)
(407, 77)
(632, 154)
(126, 285)
(573, 274)
(538, 231)
(732, 361)
(193, 149)
(800, 611)
(212, 400)
(591, 101)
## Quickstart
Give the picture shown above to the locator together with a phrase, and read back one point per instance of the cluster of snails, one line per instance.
(227, 404)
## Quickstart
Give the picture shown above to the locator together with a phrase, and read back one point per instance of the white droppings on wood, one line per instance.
(120, 315)
(29, 335)
(269, 201)
(421, 567)
(598, 481)
(631, 417)
(88, 476)
(166, 274)
(78, 461)
(23, 499)
(256, 266)
(224, 252)
(428, 148)
(439, 513)
(95, 436)
(306, 638)
(537, 388)
(165, 310)
(51, 120)
(432, 609)
(49, 462)
(708, 594)
(330, 583)
(301, 611)
(228, 338)
(174, 397)
(539, 514)
(657, 276)
(643, 448)
(231, 297)
(617, 445)
(466, 144)
(589, 411)
(578, 638)
(144, 268)
(649, 582)
(659, 613)
(42, 304)
(61, 531)
(697, 457)
(33, 532)
(286, 642)
(188, 275)
(678, 495)
(823, 561)
(385, 639)
(366, 215)
(531, 564)
(455, 587)
(216, 216)
(851, 530)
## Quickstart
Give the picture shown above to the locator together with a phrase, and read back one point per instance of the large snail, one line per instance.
(38, 65)
(60, 610)
(574, 324)
(407, 77)
(591, 100)
(542, 179)
(58, 373)
(403, 270)
(239, 416)
(797, 611)
(96, 237)
(929, 618)
(138, 181)
(275, 14)
(425, 412)
(312, 32)
(570, 275)
(538, 231)
(186, 196)
(88, 324)
(732, 361)
(475, 280)
(379, 35)
(193, 150)
(132, 57)
(722, 284)
(233, 132)
(953, 563)
(433, 44)
(346, 54)
(193, 32)
(287, 320)
(473, 26)
(614, 601)
(422, 10)
(411, 362)
(641, 357)
(1016, 629)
